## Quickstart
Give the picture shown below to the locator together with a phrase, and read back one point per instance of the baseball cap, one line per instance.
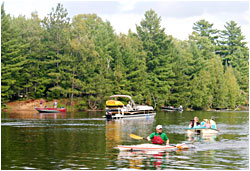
(159, 127)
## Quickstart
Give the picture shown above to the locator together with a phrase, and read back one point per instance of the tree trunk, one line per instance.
(72, 89)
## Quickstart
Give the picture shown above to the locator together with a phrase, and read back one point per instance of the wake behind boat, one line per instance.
(115, 108)
(51, 110)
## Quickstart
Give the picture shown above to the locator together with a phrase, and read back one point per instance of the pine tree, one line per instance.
(14, 59)
(205, 29)
(217, 83)
(232, 88)
(234, 52)
(135, 75)
(183, 69)
(231, 40)
(159, 59)
(56, 36)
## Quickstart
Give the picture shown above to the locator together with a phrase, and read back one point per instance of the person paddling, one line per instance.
(158, 137)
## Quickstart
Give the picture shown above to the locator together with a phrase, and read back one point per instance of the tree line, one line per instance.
(84, 60)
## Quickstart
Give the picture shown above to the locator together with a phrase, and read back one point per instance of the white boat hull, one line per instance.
(117, 116)
(201, 130)
(150, 147)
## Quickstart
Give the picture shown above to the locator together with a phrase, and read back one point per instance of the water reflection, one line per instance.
(32, 115)
(201, 137)
(51, 115)
(141, 159)
(117, 131)
(85, 140)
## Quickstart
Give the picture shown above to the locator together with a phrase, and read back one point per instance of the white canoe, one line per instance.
(149, 147)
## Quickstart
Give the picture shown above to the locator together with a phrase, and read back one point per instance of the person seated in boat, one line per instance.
(203, 123)
(208, 125)
(158, 137)
(213, 123)
(129, 107)
(194, 123)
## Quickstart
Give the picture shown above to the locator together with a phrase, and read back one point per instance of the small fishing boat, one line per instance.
(115, 108)
(151, 147)
(51, 110)
(200, 130)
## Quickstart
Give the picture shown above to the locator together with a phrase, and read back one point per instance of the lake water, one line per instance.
(86, 141)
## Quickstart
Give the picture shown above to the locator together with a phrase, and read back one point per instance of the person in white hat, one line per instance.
(158, 137)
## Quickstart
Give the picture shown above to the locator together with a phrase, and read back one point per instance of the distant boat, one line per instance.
(171, 108)
(116, 109)
(51, 110)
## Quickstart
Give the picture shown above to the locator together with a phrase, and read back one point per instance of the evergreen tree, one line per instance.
(13, 59)
(159, 60)
(216, 83)
(56, 36)
(234, 52)
(204, 29)
(183, 69)
(231, 40)
(6, 42)
(135, 75)
(232, 89)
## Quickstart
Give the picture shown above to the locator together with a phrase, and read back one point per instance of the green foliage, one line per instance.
(81, 105)
(84, 59)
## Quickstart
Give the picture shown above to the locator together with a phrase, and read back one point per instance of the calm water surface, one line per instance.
(86, 141)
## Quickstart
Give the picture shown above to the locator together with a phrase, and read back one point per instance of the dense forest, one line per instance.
(84, 60)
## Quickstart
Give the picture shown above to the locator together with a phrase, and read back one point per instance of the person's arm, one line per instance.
(167, 142)
(150, 137)
(191, 124)
(166, 138)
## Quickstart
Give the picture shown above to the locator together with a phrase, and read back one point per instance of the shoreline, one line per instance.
(29, 106)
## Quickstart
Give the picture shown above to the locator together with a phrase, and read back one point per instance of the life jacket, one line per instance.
(157, 140)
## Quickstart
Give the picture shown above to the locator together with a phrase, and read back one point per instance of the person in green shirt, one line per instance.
(158, 137)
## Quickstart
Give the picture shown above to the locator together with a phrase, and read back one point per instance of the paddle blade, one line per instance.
(182, 146)
(136, 137)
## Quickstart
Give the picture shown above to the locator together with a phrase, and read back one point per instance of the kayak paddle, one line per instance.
(137, 137)
(179, 146)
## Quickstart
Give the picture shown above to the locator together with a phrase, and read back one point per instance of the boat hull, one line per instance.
(201, 130)
(116, 109)
(170, 109)
(150, 147)
(129, 115)
(51, 110)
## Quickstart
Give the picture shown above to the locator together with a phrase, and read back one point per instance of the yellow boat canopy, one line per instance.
(118, 103)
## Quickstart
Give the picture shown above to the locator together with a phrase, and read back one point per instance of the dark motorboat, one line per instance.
(171, 108)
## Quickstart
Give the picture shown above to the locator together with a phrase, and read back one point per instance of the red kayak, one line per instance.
(51, 110)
